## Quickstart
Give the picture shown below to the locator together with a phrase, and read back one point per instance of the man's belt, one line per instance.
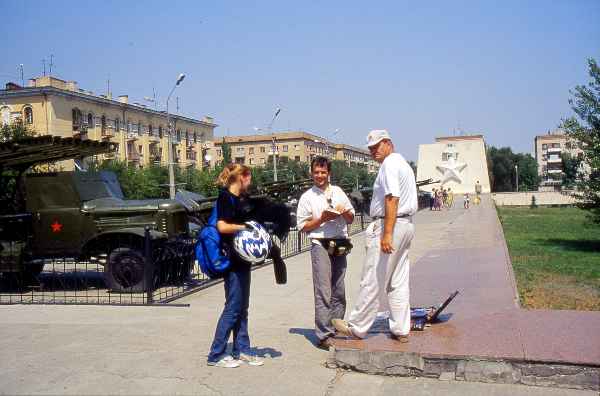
(336, 246)
(401, 216)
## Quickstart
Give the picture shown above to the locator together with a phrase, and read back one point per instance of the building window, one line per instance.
(103, 125)
(28, 115)
(5, 113)
(218, 152)
(117, 125)
(77, 119)
(285, 148)
(555, 145)
(150, 130)
(178, 135)
(90, 120)
(251, 161)
(128, 126)
(297, 147)
(160, 131)
(140, 128)
(262, 149)
(262, 161)
(297, 158)
(195, 137)
(251, 150)
(544, 146)
(239, 149)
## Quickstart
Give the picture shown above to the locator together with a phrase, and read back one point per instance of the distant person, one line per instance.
(477, 189)
(328, 232)
(466, 201)
(438, 200)
(444, 197)
(450, 198)
(385, 273)
(432, 199)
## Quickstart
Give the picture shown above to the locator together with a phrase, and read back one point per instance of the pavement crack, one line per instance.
(339, 373)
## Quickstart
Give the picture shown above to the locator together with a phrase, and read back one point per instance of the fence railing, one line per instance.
(138, 271)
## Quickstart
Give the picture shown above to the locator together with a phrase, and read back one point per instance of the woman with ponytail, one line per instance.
(235, 181)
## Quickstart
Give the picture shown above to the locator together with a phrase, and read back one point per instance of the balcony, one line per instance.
(554, 171)
(554, 160)
(554, 150)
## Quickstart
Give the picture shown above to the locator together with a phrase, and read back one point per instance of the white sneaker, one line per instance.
(251, 359)
(225, 362)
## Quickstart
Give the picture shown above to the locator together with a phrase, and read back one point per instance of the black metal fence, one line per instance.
(149, 272)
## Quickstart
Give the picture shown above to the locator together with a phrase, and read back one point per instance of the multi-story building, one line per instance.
(257, 150)
(549, 149)
(51, 106)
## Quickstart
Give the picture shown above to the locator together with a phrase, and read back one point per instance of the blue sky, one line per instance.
(503, 69)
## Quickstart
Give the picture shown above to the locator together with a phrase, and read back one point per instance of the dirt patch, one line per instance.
(551, 291)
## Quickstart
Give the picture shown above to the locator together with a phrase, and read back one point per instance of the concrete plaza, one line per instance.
(162, 350)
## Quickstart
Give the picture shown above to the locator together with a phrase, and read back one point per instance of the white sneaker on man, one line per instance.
(251, 359)
(225, 362)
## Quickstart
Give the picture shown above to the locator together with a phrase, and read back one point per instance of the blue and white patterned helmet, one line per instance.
(254, 244)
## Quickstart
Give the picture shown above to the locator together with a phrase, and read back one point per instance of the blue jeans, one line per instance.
(235, 314)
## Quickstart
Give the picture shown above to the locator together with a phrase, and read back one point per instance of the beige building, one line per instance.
(51, 106)
(458, 162)
(257, 150)
(548, 154)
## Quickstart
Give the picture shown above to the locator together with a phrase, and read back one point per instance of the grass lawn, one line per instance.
(555, 254)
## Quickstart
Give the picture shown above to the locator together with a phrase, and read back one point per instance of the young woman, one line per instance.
(235, 180)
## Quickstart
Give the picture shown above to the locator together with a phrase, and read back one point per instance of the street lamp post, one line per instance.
(273, 142)
(169, 140)
(517, 176)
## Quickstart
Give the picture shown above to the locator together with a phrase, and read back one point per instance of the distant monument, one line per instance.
(458, 162)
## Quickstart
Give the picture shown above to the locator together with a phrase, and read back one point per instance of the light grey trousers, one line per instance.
(330, 295)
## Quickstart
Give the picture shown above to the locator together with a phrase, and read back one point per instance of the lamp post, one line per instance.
(169, 140)
(517, 176)
(273, 142)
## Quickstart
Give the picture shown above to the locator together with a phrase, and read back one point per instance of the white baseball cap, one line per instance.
(376, 136)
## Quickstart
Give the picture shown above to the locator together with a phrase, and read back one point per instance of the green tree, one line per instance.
(15, 131)
(501, 168)
(585, 129)
(571, 166)
(226, 148)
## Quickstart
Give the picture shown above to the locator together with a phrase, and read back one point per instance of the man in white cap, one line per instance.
(384, 283)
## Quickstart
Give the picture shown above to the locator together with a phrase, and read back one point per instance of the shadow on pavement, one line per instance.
(309, 334)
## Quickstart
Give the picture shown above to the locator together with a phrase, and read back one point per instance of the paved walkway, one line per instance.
(465, 250)
(162, 350)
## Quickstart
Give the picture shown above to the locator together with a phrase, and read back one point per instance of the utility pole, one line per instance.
(51, 64)
(274, 145)
(22, 79)
(169, 140)
(517, 176)
(44, 64)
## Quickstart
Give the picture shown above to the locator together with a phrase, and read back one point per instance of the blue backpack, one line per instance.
(212, 258)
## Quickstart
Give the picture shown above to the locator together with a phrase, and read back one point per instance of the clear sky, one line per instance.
(501, 68)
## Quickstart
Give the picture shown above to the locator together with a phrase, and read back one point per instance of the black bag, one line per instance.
(337, 247)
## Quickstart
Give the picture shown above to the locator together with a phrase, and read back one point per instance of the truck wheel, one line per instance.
(125, 269)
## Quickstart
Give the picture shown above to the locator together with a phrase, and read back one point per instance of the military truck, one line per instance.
(83, 216)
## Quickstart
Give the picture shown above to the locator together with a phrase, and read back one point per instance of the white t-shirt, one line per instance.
(397, 178)
(312, 204)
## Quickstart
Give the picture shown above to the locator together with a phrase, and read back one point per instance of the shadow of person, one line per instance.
(267, 352)
(309, 334)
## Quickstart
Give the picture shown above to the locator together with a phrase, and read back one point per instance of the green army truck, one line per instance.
(83, 217)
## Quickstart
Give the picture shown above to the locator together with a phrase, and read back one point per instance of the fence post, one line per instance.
(299, 241)
(362, 221)
(149, 267)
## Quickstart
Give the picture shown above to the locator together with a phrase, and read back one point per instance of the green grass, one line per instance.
(555, 254)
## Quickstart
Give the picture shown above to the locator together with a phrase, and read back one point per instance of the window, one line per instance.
(262, 149)
(239, 149)
(555, 145)
(160, 131)
(5, 115)
(28, 115)
(262, 161)
(140, 128)
(219, 152)
(103, 125)
(178, 135)
(150, 131)
(128, 126)
(77, 119)
(297, 158)
(251, 150)
(297, 147)
(544, 146)
(195, 137)
(117, 126)
(90, 120)
(285, 148)
(251, 161)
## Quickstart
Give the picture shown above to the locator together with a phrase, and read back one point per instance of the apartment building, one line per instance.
(51, 106)
(257, 150)
(548, 154)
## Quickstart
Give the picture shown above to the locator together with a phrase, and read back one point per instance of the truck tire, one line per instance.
(125, 270)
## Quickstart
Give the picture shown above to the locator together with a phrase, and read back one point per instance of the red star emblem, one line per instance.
(56, 226)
